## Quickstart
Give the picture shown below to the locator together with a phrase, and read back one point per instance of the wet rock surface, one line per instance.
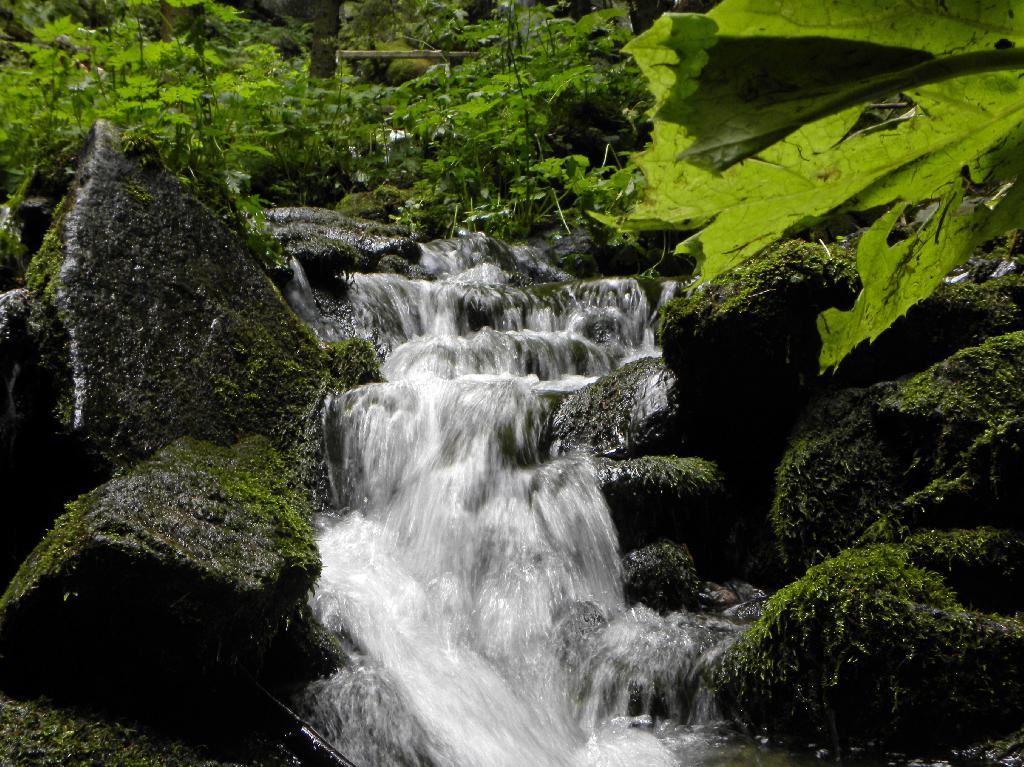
(181, 570)
(662, 576)
(630, 412)
(157, 321)
(328, 243)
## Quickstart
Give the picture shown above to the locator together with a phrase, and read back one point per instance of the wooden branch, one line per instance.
(438, 55)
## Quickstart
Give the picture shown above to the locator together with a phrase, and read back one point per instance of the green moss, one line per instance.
(40, 733)
(379, 204)
(947, 407)
(352, 362)
(678, 499)
(139, 193)
(860, 644)
(984, 565)
(45, 321)
(943, 449)
(745, 348)
(764, 286)
(143, 147)
(836, 479)
(43, 274)
(603, 417)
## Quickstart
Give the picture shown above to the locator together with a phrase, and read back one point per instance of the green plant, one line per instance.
(773, 115)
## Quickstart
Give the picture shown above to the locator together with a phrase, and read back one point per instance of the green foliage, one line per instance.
(533, 130)
(765, 101)
(529, 130)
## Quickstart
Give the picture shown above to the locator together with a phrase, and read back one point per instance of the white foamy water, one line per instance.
(478, 581)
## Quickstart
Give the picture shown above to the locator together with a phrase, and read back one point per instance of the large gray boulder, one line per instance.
(180, 570)
(159, 323)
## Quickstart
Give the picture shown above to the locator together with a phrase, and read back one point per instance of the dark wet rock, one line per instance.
(629, 412)
(328, 243)
(831, 649)
(35, 215)
(984, 566)
(747, 611)
(982, 267)
(181, 570)
(394, 265)
(679, 499)
(523, 264)
(1007, 750)
(745, 349)
(40, 467)
(729, 596)
(662, 576)
(716, 596)
(157, 322)
(17, 352)
(744, 591)
(943, 449)
(574, 251)
(304, 649)
(955, 316)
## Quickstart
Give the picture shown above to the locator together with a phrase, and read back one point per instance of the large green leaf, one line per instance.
(766, 113)
(896, 277)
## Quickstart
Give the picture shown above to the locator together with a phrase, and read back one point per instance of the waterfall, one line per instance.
(477, 580)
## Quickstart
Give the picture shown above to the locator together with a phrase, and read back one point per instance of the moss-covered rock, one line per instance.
(158, 321)
(837, 477)
(983, 488)
(662, 576)
(745, 346)
(679, 499)
(984, 566)
(858, 647)
(943, 449)
(180, 569)
(40, 733)
(378, 204)
(943, 410)
(629, 412)
(328, 243)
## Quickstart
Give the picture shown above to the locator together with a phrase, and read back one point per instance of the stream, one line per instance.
(474, 577)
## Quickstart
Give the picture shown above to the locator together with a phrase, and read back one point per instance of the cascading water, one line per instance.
(476, 580)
